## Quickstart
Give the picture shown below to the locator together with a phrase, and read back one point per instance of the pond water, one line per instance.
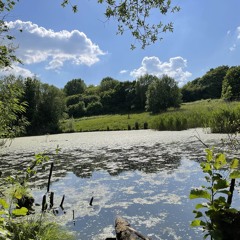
(144, 176)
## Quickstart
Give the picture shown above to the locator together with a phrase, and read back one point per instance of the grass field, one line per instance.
(216, 114)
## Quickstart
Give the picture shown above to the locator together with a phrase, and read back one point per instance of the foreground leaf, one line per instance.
(197, 223)
(235, 174)
(20, 212)
(4, 203)
(234, 163)
(198, 193)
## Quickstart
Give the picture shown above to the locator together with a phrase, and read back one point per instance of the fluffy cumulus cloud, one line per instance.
(174, 68)
(17, 70)
(37, 44)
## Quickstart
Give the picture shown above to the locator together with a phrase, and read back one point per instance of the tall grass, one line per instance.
(36, 229)
(110, 122)
(219, 115)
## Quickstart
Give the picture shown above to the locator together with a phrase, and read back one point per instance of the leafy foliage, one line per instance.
(12, 107)
(231, 84)
(75, 86)
(141, 87)
(134, 16)
(212, 215)
(7, 49)
(208, 86)
(163, 93)
(46, 105)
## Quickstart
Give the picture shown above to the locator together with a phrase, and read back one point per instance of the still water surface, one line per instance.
(144, 176)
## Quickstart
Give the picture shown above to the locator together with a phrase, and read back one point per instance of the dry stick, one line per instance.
(51, 199)
(61, 205)
(73, 218)
(49, 177)
(230, 196)
(91, 201)
(199, 139)
(44, 203)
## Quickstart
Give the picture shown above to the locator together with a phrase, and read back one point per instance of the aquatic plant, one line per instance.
(216, 216)
(16, 202)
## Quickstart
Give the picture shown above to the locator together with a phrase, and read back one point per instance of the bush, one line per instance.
(94, 108)
(77, 110)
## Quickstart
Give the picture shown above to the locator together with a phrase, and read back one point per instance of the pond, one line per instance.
(144, 176)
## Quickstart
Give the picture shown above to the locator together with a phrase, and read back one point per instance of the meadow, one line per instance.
(218, 115)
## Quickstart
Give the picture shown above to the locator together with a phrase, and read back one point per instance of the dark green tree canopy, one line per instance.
(208, 86)
(141, 88)
(163, 93)
(75, 86)
(12, 107)
(231, 84)
(107, 84)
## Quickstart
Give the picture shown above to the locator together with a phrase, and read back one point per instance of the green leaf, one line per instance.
(220, 161)
(201, 205)
(197, 223)
(235, 174)
(206, 167)
(198, 193)
(198, 214)
(20, 212)
(221, 184)
(2, 212)
(18, 195)
(234, 163)
(209, 156)
(4, 203)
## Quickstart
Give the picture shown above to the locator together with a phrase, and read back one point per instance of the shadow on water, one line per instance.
(146, 184)
(148, 159)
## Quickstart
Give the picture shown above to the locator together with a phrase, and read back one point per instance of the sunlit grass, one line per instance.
(205, 113)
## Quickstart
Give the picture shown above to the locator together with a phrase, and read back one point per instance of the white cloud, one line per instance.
(123, 71)
(37, 44)
(173, 68)
(238, 32)
(17, 71)
(233, 48)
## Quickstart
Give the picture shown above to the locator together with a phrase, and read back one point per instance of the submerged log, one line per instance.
(125, 232)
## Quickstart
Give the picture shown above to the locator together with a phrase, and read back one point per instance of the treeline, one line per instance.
(221, 82)
(45, 105)
(112, 96)
(41, 106)
(29, 107)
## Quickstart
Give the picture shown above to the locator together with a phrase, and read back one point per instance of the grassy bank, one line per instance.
(220, 116)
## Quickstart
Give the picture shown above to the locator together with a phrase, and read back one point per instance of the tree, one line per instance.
(77, 110)
(141, 88)
(7, 56)
(134, 16)
(208, 86)
(107, 84)
(212, 82)
(75, 86)
(231, 84)
(131, 15)
(163, 93)
(12, 123)
(46, 105)
(94, 108)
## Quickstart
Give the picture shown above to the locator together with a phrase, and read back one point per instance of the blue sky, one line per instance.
(57, 45)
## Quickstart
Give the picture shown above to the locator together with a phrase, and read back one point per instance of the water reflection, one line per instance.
(148, 184)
